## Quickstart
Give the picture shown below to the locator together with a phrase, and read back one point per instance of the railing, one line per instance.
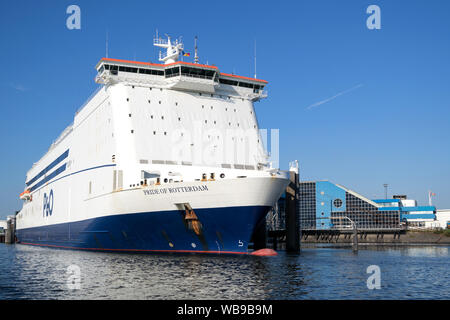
(160, 41)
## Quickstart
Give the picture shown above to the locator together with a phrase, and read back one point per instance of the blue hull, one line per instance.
(224, 230)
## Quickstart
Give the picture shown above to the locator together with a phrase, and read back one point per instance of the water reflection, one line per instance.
(317, 273)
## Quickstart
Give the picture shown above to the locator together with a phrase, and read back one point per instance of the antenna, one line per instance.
(196, 51)
(173, 49)
(106, 49)
(255, 58)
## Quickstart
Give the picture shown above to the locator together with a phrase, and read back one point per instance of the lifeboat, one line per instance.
(26, 195)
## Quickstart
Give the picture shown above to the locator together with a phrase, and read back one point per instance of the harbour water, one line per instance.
(411, 272)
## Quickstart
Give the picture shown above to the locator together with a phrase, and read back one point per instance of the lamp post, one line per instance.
(385, 190)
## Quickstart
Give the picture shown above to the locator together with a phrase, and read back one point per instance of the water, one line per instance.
(28, 272)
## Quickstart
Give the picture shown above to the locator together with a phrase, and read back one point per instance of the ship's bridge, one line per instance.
(179, 75)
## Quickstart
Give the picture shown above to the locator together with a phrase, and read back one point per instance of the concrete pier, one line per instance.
(292, 214)
(10, 234)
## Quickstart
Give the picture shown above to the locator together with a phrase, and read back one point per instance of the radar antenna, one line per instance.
(173, 50)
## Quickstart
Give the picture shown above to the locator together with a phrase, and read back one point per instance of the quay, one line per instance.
(324, 212)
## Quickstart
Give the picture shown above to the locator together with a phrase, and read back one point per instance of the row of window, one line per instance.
(241, 84)
(180, 70)
(114, 70)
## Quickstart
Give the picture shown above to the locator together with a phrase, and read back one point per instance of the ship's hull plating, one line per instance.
(223, 230)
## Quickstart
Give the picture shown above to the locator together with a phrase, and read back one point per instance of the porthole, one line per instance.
(222, 175)
(165, 180)
(337, 203)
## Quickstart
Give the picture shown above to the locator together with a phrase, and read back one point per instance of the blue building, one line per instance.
(328, 206)
(410, 212)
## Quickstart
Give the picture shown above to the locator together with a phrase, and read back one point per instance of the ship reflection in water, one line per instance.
(317, 273)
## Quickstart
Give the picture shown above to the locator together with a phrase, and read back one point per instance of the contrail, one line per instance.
(333, 97)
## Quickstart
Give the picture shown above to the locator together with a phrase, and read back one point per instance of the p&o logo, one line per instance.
(48, 204)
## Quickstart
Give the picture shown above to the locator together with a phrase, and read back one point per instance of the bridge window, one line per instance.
(229, 82)
(197, 73)
(172, 72)
(152, 72)
(128, 69)
(255, 87)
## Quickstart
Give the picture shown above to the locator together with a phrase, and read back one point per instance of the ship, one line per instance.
(163, 157)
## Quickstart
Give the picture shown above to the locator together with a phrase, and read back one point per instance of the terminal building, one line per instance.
(325, 205)
(410, 213)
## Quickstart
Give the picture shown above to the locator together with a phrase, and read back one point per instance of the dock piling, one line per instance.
(292, 214)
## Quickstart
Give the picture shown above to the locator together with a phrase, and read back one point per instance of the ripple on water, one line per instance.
(317, 273)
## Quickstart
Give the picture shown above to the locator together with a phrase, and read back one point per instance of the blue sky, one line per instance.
(355, 106)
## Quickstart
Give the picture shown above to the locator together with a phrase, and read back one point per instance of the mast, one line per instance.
(172, 50)
(196, 51)
(255, 58)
